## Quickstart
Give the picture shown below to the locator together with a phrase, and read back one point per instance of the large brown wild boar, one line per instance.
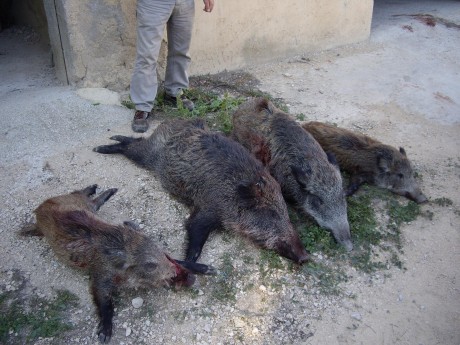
(114, 255)
(368, 160)
(308, 176)
(223, 184)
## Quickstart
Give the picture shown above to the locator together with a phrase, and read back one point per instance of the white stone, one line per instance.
(238, 322)
(356, 316)
(137, 302)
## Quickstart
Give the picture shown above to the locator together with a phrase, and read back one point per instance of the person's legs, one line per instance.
(152, 16)
(179, 29)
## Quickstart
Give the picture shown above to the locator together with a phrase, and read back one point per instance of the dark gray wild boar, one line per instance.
(223, 184)
(368, 160)
(308, 176)
(114, 255)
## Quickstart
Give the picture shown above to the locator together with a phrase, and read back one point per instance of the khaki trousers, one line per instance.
(152, 17)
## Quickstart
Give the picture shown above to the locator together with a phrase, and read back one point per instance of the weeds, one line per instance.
(269, 261)
(25, 320)
(444, 202)
(216, 110)
(327, 279)
(224, 286)
(372, 237)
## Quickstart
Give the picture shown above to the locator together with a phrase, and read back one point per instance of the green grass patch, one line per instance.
(24, 320)
(224, 286)
(216, 109)
(268, 262)
(444, 202)
(375, 217)
(128, 104)
(327, 279)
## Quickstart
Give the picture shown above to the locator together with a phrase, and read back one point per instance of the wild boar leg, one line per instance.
(90, 190)
(102, 289)
(196, 267)
(103, 197)
(355, 182)
(199, 226)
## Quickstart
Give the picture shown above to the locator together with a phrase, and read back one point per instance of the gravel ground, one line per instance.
(401, 86)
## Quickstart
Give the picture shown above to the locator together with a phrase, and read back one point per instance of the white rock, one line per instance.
(356, 316)
(238, 322)
(128, 331)
(137, 302)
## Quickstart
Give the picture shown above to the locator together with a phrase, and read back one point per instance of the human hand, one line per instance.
(208, 5)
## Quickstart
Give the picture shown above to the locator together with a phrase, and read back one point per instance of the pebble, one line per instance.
(238, 322)
(137, 302)
(356, 316)
(128, 331)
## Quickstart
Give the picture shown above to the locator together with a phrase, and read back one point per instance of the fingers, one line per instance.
(208, 5)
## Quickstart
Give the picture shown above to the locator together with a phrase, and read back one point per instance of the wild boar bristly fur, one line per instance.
(224, 186)
(307, 175)
(115, 256)
(368, 160)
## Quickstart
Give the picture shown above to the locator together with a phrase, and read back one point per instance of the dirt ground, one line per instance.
(402, 86)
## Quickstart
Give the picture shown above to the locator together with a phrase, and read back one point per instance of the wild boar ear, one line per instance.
(331, 159)
(246, 194)
(382, 163)
(117, 257)
(301, 175)
(133, 225)
(262, 152)
(402, 151)
(250, 192)
(263, 104)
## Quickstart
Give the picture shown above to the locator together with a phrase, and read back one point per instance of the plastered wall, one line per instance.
(97, 38)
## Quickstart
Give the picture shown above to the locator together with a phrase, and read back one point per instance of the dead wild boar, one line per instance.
(114, 255)
(368, 160)
(309, 177)
(224, 186)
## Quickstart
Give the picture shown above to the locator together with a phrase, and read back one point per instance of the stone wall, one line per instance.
(94, 41)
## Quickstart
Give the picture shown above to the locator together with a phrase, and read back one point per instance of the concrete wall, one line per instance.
(245, 32)
(98, 37)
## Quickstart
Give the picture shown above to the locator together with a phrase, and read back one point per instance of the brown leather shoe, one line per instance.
(140, 123)
(172, 101)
